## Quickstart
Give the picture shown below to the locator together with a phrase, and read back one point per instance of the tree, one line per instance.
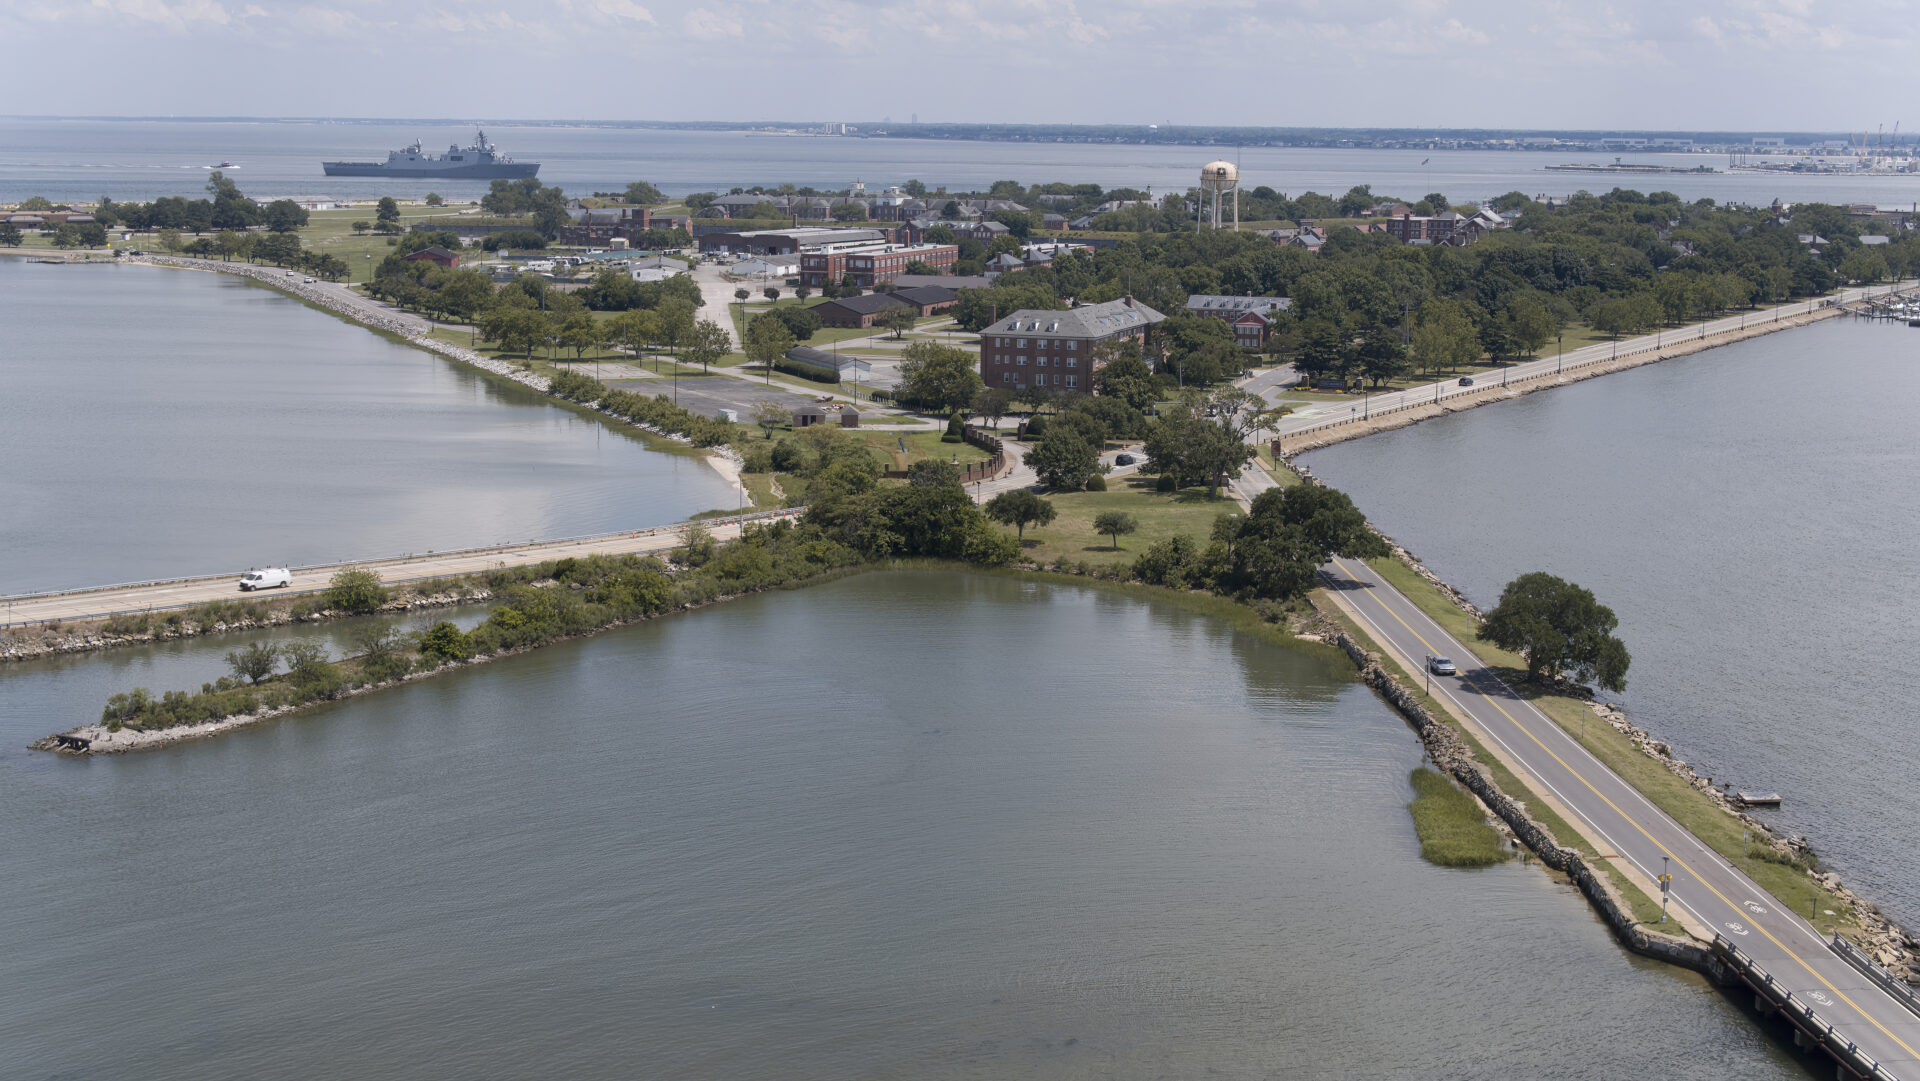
(849, 211)
(1288, 534)
(991, 403)
(1443, 336)
(1126, 375)
(1064, 459)
(434, 198)
(899, 318)
(937, 378)
(170, 239)
(254, 663)
(772, 293)
(641, 193)
(769, 414)
(445, 642)
(1558, 627)
(1193, 449)
(708, 343)
(933, 473)
(387, 212)
(741, 294)
(1863, 265)
(9, 235)
(355, 590)
(285, 215)
(1019, 508)
(1114, 523)
(767, 341)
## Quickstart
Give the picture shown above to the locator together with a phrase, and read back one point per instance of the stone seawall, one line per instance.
(414, 330)
(1451, 754)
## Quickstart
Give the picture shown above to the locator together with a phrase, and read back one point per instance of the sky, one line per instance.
(1696, 65)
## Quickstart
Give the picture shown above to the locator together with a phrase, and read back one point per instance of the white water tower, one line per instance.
(1217, 180)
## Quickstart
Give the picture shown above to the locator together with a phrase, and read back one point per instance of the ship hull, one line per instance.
(486, 171)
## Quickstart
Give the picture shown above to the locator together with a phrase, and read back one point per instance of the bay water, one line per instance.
(159, 423)
(1748, 512)
(82, 159)
(908, 824)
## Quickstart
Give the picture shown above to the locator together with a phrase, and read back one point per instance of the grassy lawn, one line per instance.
(1687, 805)
(886, 447)
(1451, 824)
(1160, 514)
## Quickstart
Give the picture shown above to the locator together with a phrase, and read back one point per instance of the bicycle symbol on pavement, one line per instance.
(1755, 907)
(1736, 928)
(1820, 997)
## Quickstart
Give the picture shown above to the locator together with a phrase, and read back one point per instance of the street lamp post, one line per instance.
(1560, 339)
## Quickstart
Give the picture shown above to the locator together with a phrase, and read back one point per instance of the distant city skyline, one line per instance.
(1742, 65)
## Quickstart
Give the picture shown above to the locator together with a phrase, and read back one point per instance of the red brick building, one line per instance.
(1055, 349)
(435, 254)
(1252, 318)
(594, 228)
(872, 266)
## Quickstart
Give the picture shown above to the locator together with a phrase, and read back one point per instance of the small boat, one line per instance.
(1769, 799)
(226, 165)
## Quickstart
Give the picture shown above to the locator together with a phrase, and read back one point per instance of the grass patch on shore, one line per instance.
(885, 446)
(1160, 515)
(1644, 909)
(1788, 882)
(1451, 824)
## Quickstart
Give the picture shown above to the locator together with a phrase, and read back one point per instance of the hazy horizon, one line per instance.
(1720, 65)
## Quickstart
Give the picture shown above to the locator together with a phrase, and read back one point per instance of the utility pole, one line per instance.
(1666, 887)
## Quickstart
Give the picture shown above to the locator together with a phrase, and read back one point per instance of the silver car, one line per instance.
(1441, 666)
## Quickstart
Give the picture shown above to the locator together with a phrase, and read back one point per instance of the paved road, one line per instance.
(96, 603)
(1711, 893)
(1321, 414)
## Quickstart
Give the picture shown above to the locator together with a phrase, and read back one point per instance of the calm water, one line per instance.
(158, 423)
(139, 160)
(715, 846)
(1749, 513)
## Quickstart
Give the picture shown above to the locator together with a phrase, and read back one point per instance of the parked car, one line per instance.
(309, 281)
(1441, 666)
(266, 578)
(1466, 380)
(1123, 459)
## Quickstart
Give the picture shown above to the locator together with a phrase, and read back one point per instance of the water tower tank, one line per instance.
(1219, 176)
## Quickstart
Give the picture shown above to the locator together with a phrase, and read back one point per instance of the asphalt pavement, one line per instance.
(1712, 894)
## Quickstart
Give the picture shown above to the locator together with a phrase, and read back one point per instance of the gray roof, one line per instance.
(925, 294)
(820, 358)
(867, 304)
(1088, 322)
(1210, 304)
(945, 281)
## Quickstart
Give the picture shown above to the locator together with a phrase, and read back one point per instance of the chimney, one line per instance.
(1128, 300)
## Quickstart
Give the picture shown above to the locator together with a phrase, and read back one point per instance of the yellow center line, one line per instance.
(1746, 916)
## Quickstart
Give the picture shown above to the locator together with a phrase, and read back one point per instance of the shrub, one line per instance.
(882, 394)
(1096, 483)
(1036, 426)
(445, 642)
(806, 371)
(254, 663)
(1166, 483)
(355, 590)
(956, 429)
(127, 624)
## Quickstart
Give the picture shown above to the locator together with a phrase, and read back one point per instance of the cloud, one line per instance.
(712, 24)
(610, 12)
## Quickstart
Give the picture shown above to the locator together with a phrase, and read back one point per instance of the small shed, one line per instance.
(849, 417)
(435, 254)
(808, 415)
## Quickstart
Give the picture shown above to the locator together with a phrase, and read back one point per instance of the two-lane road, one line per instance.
(1321, 414)
(1714, 895)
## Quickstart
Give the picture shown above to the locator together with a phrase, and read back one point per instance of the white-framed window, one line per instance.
(1073, 362)
(1006, 377)
(1039, 362)
(1019, 343)
(1020, 360)
(1073, 380)
(1071, 346)
(1041, 343)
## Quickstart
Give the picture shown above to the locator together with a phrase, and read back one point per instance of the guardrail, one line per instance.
(410, 557)
(1441, 397)
(1800, 1012)
(1868, 967)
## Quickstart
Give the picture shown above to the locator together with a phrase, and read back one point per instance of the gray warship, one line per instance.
(481, 161)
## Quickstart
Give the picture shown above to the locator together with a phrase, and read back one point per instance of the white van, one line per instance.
(266, 578)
